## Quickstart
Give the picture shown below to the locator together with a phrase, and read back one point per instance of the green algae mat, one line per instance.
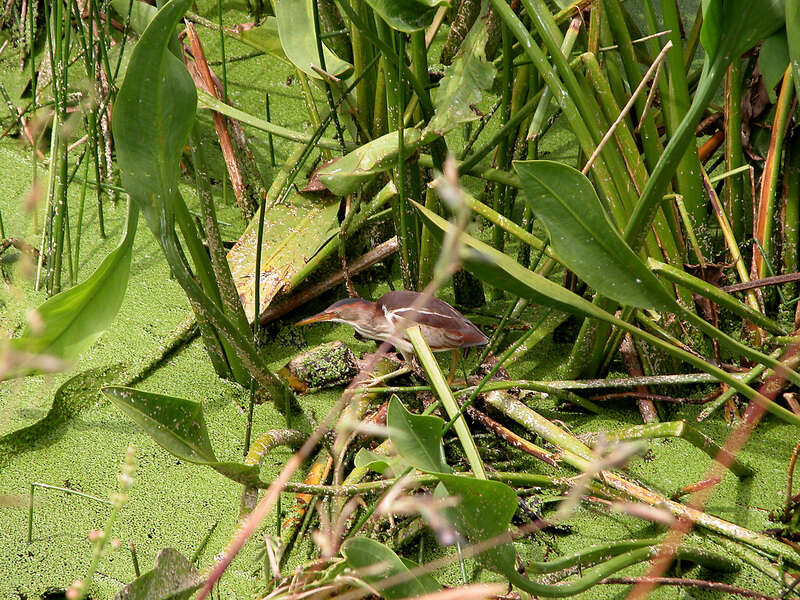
(607, 190)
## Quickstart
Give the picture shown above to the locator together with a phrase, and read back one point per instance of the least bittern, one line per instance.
(442, 326)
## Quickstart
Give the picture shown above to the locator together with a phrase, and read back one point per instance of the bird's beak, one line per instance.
(323, 316)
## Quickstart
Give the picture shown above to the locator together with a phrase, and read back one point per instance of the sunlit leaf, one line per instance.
(406, 15)
(178, 426)
(773, 58)
(345, 175)
(583, 236)
(153, 115)
(390, 466)
(466, 80)
(417, 438)
(374, 562)
(793, 39)
(293, 233)
(72, 320)
(173, 577)
(262, 36)
(299, 41)
(484, 512)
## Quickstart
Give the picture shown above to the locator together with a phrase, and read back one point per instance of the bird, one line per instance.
(442, 326)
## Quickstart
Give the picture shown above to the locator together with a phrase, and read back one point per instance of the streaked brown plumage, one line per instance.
(442, 326)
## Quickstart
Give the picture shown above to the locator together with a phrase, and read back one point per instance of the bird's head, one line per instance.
(350, 310)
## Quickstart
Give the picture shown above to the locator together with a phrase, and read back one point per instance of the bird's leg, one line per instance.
(453, 364)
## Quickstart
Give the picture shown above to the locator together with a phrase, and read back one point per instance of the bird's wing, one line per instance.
(433, 313)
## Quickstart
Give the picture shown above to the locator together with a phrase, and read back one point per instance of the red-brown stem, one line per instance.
(220, 123)
(725, 588)
(633, 365)
(753, 414)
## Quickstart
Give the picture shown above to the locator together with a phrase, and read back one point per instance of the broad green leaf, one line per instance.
(293, 233)
(153, 115)
(584, 238)
(466, 79)
(262, 36)
(390, 466)
(417, 438)
(793, 39)
(773, 58)
(483, 512)
(732, 27)
(374, 562)
(173, 578)
(299, 41)
(72, 320)
(178, 426)
(345, 175)
(495, 268)
(141, 13)
(407, 15)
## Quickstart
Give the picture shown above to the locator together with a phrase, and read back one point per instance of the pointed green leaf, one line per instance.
(345, 175)
(72, 320)
(793, 39)
(299, 40)
(177, 424)
(466, 80)
(374, 562)
(153, 115)
(390, 466)
(406, 15)
(497, 269)
(173, 577)
(584, 238)
(417, 438)
(483, 512)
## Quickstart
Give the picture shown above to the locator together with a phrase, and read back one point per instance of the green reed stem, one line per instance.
(735, 202)
(714, 294)
(729, 393)
(791, 217)
(769, 181)
(445, 396)
(326, 84)
(535, 128)
(675, 105)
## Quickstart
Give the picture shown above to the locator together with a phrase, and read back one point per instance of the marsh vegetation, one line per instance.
(608, 190)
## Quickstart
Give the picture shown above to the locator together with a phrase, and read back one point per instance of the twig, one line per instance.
(763, 282)
(684, 582)
(648, 396)
(638, 40)
(627, 107)
(226, 145)
(510, 437)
